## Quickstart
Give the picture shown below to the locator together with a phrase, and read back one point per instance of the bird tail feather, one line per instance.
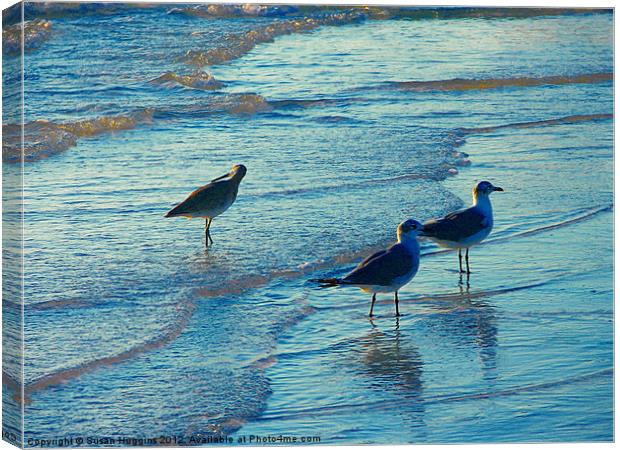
(328, 282)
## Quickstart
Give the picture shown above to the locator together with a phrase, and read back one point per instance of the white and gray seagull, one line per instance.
(465, 228)
(212, 199)
(387, 270)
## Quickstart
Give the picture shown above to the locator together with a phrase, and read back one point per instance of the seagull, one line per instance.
(465, 228)
(212, 199)
(387, 270)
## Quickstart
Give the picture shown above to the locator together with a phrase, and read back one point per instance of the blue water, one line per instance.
(133, 329)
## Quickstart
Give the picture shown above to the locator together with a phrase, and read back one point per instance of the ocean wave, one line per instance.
(170, 333)
(312, 103)
(539, 123)
(68, 9)
(43, 139)
(239, 10)
(185, 312)
(455, 158)
(235, 104)
(35, 33)
(242, 104)
(198, 80)
(93, 127)
(379, 12)
(447, 13)
(238, 45)
(49, 9)
(461, 84)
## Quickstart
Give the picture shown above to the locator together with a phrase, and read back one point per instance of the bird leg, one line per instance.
(396, 303)
(460, 262)
(208, 221)
(467, 263)
(372, 304)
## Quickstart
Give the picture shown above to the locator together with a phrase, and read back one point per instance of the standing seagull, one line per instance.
(212, 199)
(387, 270)
(465, 228)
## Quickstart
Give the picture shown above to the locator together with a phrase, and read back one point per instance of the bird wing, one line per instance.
(211, 196)
(371, 257)
(457, 225)
(383, 267)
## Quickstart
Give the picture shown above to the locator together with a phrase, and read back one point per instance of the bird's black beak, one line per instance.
(220, 178)
(499, 189)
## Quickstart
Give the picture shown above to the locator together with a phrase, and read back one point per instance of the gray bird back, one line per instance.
(456, 226)
(384, 267)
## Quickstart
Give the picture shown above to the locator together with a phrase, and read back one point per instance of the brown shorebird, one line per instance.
(466, 228)
(212, 199)
(387, 270)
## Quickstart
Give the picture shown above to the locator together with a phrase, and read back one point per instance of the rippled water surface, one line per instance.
(348, 121)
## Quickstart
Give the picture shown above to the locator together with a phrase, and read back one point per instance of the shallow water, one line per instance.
(133, 329)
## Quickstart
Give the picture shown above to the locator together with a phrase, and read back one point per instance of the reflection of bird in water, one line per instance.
(466, 228)
(391, 362)
(472, 320)
(212, 199)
